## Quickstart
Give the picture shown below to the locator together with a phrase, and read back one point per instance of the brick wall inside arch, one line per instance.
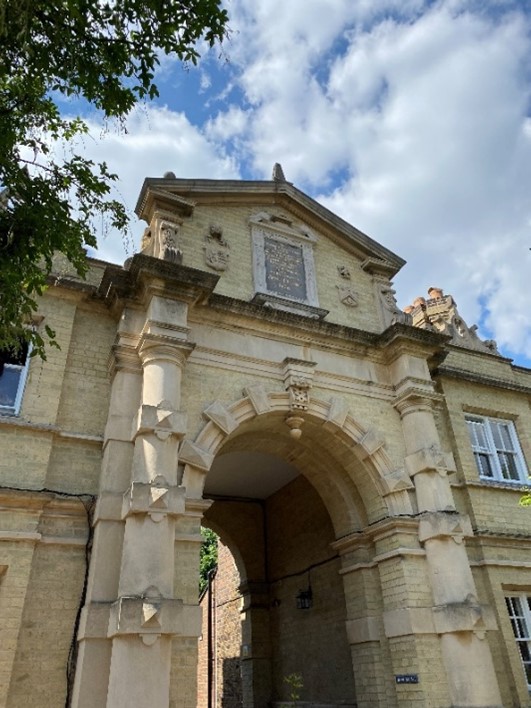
(221, 604)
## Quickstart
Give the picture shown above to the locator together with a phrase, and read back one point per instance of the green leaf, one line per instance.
(105, 53)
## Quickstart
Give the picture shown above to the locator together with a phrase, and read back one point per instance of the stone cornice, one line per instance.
(143, 274)
(156, 197)
(483, 379)
(401, 339)
(293, 320)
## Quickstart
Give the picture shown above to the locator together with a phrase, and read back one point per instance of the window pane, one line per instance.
(484, 464)
(501, 435)
(16, 358)
(508, 465)
(9, 380)
(518, 608)
(476, 431)
(519, 629)
(506, 437)
(528, 673)
(524, 651)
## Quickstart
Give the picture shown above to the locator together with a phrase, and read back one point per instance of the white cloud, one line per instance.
(406, 117)
(152, 142)
(422, 112)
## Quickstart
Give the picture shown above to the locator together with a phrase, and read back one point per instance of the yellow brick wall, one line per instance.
(492, 506)
(501, 554)
(56, 443)
(237, 280)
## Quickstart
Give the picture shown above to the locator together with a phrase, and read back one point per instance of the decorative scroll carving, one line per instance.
(169, 247)
(161, 238)
(390, 310)
(146, 240)
(217, 249)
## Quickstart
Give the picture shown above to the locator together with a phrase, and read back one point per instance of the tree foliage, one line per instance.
(103, 52)
(208, 558)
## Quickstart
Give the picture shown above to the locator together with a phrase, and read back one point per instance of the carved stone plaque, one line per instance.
(284, 269)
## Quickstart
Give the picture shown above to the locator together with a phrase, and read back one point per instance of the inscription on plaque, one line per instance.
(284, 269)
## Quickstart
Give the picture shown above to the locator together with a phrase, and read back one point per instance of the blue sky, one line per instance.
(409, 119)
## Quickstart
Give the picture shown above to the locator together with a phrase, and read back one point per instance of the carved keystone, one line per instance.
(371, 442)
(298, 380)
(258, 397)
(221, 416)
(192, 454)
(337, 413)
(436, 524)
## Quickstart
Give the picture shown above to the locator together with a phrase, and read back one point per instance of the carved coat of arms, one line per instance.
(217, 249)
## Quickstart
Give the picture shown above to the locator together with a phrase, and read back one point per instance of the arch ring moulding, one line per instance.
(392, 484)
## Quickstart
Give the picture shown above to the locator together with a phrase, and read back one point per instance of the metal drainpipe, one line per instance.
(211, 656)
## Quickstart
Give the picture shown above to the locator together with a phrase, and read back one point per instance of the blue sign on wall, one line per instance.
(407, 678)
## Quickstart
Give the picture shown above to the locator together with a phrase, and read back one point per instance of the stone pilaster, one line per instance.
(146, 615)
(144, 527)
(457, 617)
(94, 647)
(363, 601)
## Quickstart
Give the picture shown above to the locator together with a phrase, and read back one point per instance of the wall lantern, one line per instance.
(304, 599)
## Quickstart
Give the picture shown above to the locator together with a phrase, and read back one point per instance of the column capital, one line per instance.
(124, 357)
(415, 400)
(157, 348)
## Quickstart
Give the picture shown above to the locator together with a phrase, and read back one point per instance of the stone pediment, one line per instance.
(184, 195)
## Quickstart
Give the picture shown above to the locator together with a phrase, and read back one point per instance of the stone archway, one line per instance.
(354, 447)
(345, 482)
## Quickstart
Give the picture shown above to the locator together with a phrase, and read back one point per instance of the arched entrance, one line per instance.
(281, 504)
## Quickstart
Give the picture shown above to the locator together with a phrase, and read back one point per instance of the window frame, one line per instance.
(525, 615)
(14, 410)
(491, 453)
